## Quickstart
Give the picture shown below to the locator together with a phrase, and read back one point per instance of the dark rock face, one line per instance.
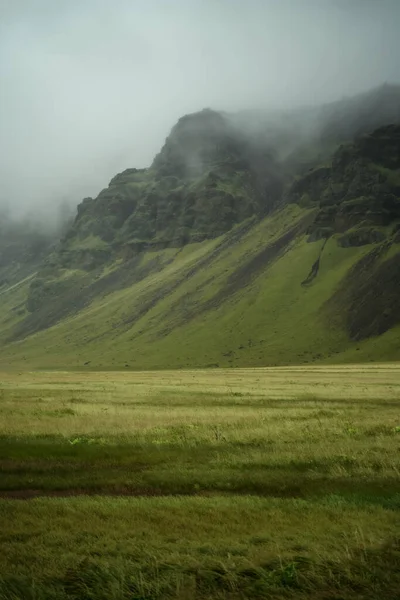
(311, 185)
(361, 237)
(197, 141)
(207, 178)
(361, 189)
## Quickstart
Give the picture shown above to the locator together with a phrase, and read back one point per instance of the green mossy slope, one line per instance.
(237, 300)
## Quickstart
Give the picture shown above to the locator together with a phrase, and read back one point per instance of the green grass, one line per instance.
(258, 483)
(197, 548)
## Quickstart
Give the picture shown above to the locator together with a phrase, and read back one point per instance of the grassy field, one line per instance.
(237, 483)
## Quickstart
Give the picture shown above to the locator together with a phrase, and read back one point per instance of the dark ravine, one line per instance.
(315, 268)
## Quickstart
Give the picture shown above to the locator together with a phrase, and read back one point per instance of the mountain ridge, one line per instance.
(222, 223)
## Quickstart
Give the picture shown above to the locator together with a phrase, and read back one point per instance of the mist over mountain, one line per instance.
(285, 222)
(83, 98)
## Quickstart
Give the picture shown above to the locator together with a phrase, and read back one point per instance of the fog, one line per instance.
(91, 87)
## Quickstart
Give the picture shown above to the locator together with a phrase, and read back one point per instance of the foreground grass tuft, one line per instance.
(367, 575)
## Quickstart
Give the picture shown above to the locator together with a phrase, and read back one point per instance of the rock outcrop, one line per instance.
(358, 195)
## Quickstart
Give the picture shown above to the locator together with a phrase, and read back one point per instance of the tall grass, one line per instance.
(262, 483)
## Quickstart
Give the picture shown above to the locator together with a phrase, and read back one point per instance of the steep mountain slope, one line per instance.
(223, 253)
(198, 311)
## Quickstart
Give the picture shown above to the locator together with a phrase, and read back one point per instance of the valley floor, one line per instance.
(237, 483)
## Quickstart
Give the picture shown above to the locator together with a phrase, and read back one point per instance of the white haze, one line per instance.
(91, 87)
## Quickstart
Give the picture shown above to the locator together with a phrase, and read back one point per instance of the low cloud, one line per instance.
(91, 87)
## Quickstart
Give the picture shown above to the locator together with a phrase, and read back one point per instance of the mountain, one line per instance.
(252, 239)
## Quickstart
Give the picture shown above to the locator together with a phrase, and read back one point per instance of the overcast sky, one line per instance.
(91, 87)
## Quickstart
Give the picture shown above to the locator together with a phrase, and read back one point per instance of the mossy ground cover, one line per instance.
(237, 483)
(227, 302)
